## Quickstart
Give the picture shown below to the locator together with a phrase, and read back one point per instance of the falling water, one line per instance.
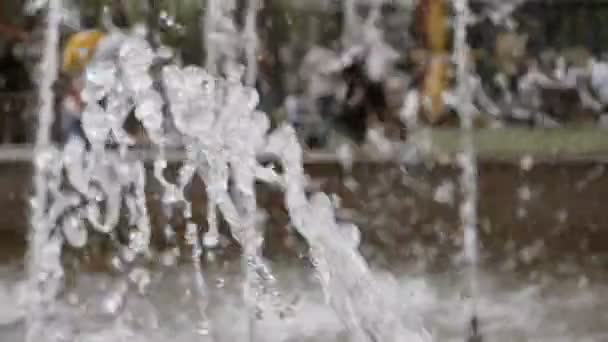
(208, 23)
(349, 7)
(224, 43)
(349, 286)
(250, 38)
(468, 209)
(44, 267)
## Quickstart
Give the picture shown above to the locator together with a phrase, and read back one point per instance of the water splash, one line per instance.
(223, 146)
(235, 157)
(224, 135)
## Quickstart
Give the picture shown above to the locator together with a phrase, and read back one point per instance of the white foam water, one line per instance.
(224, 135)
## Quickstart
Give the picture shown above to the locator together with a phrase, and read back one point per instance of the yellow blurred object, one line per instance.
(435, 82)
(79, 50)
(436, 26)
(433, 18)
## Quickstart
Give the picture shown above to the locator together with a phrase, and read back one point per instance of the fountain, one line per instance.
(224, 135)
(83, 188)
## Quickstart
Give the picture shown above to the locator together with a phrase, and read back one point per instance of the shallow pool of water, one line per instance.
(162, 305)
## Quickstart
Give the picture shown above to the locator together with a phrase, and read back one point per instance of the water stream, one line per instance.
(44, 266)
(468, 208)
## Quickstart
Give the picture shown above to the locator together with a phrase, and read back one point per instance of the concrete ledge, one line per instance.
(560, 145)
(563, 145)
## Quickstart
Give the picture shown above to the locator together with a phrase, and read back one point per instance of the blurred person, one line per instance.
(15, 83)
(81, 49)
(350, 92)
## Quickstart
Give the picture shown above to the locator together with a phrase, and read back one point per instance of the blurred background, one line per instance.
(540, 64)
(538, 82)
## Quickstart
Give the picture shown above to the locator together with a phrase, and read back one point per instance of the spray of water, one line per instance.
(466, 110)
(349, 286)
(224, 44)
(224, 135)
(44, 265)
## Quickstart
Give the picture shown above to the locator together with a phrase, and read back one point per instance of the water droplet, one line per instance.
(524, 193)
(74, 231)
(526, 163)
(345, 156)
(73, 298)
(210, 256)
(211, 240)
(169, 258)
(128, 255)
(444, 193)
(116, 263)
(203, 328)
(561, 215)
(141, 278)
(522, 213)
(113, 302)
